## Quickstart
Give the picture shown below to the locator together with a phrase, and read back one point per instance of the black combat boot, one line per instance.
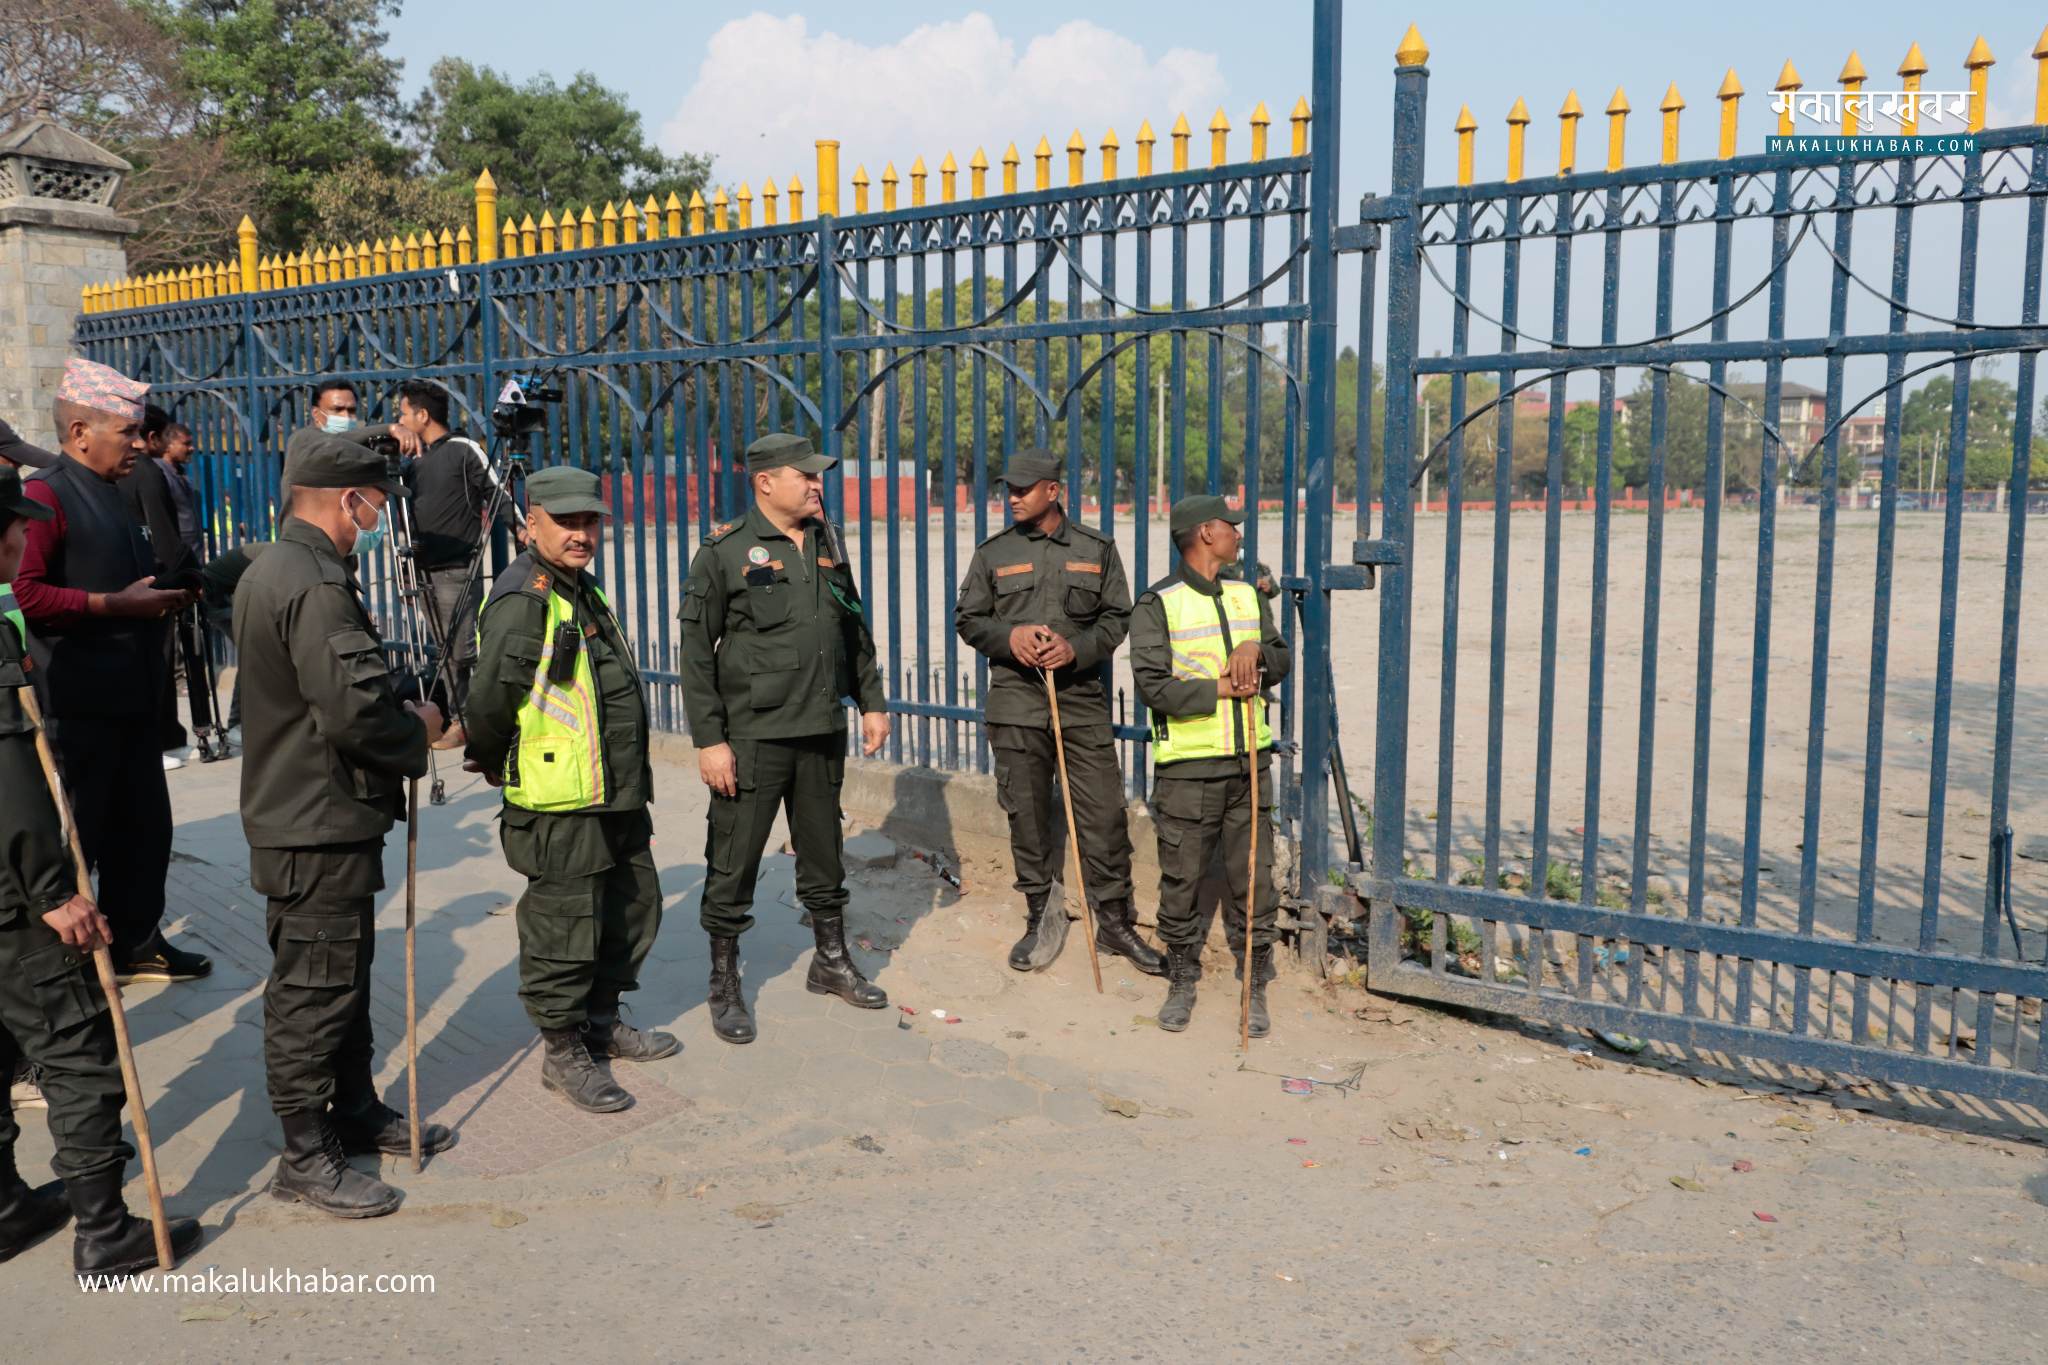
(729, 1017)
(1183, 972)
(111, 1241)
(26, 1216)
(1116, 932)
(607, 1035)
(314, 1170)
(1262, 972)
(369, 1125)
(567, 1067)
(1023, 955)
(832, 970)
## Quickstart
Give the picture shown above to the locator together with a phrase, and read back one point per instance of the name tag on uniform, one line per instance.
(825, 563)
(1077, 566)
(1006, 570)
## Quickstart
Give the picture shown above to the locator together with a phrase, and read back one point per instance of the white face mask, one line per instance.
(337, 423)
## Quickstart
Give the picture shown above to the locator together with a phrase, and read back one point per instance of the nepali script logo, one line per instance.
(1873, 123)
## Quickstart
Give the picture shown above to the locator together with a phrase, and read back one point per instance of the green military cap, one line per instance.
(1031, 466)
(564, 490)
(1191, 512)
(318, 459)
(15, 504)
(779, 448)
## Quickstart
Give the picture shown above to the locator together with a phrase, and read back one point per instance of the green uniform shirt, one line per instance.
(508, 652)
(773, 636)
(1160, 691)
(1070, 580)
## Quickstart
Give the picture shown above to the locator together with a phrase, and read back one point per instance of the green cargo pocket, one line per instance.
(56, 977)
(319, 951)
(519, 834)
(768, 604)
(558, 927)
(772, 677)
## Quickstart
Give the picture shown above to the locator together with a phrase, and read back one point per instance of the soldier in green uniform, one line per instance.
(51, 1008)
(773, 640)
(1201, 645)
(1048, 593)
(557, 719)
(329, 748)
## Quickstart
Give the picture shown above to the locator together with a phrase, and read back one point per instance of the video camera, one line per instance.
(520, 409)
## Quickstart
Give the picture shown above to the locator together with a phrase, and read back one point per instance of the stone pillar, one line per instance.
(58, 233)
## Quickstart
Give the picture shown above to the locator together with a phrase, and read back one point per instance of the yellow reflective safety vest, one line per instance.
(12, 611)
(1195, 636)
(558, 763)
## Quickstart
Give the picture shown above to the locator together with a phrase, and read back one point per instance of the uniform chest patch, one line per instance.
(1008, 569)
(758, 555)
(1080, 566)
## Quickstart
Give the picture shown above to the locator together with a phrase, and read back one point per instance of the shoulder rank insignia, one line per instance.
(541, 581)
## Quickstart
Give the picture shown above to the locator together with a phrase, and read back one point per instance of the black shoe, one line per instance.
(314, 1170)
(1262, 972)
(567, 1068)
(1116, 933)
(832, 970)
(26, 1216)
(607, 1035)
(112, 1242)
(729, 1017)
(157, 960)
(1034, 924)
(1183, 972)
(375, 1127)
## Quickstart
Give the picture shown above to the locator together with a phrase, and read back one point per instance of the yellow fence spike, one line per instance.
(949, 177)
(608, 225)
(889, 183)
(1617, 129)
(768, 197)
(529, 236)
(1979, 63)
(1568, 116)
(586, 228)
(1518, 130)
(447, 241)
(918, 175)
(745, 199)
(672, 215)
(721, 205)
(696, 213)
(650, 226)
(1262, 118)
(828, 177)
(1077, 156)
(465, 246)
(1466, 126)
(1011, 161)
(1300, 119)
(412, 252)
(348, 260)
(629, 223)
(1042, 156)
(319, 275)
(245, 243)
(363, 258)
(430, 251)
(1730, 95)
(1671, 106)
(860, 189)
(508, 240)
(547, 231)
(977, 174)
(2040, 56)
(1180, 133)
(1911, 71)
(1852, 78)
(293, 271)
(1788, 82)
(1219, 138)
(1146, 137)
(1109, 150)
(202, 282)
(486, 217)
(1412, 51)
(794, 188)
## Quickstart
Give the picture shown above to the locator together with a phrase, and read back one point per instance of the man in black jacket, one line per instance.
(51, 1011)
(329, 748)
(147, 491)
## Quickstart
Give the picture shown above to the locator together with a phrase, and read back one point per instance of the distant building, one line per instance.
(1802, 415)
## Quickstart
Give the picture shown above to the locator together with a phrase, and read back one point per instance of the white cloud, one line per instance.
(769, 87)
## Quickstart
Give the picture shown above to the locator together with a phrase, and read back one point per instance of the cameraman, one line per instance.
(451, 504)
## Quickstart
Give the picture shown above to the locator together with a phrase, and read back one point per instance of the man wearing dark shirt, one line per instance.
(147, 491)
(451, 497)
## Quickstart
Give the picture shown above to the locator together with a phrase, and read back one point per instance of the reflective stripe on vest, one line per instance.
(1195, 639)
(12, 611)
(559, 763)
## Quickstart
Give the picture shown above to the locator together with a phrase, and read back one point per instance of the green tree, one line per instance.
(297, 90)
(1924, 432)
(550, 147)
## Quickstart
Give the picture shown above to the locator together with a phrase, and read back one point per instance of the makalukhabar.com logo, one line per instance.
(1874, 123)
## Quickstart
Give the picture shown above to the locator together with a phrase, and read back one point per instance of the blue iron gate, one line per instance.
(1862, 965)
